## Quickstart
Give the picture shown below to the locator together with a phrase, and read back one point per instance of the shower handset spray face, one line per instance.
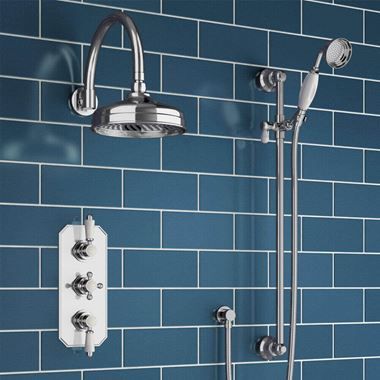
(337, 54)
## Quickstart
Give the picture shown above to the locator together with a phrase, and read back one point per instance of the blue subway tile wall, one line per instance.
(191, 219)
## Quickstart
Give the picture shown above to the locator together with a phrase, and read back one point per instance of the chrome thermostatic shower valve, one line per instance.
(82, 285)
(268, 348)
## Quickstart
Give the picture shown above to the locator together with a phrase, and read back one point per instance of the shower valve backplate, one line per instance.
(70, 302)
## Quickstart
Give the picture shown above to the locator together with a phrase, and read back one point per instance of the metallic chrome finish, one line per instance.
(139, 115)
(83, 250)
(273, 80)
(225, 316)
(83, 285)
(83, 321)
(268, 348)
(337, 53)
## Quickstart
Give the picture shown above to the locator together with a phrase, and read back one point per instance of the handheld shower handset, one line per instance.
(337, 54)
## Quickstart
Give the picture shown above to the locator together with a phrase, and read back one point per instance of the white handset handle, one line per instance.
(308, 91)
(89, 226)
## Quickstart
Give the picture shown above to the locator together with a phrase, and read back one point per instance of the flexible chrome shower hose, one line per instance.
(293, 317)
(228, 350)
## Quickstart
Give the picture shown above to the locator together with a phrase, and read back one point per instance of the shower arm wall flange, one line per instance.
(84, 100)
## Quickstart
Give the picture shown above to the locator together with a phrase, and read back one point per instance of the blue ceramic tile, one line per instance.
(21, 141)
(246, 89)
(233, 269)
(92, 186)
(366, 4)
(372, 97)
(351, 28)
(197, 230)
(371, 23)
(140, 347)
(357, 200)
(372, 237)
(56, 356)
(49, 267)
(13, 348)
(134, 308)
(335, 369)
(332, 163)
(320, 234)
(132, 153)
(212, 44)
(44, 376)
(46, 59)
(258, 232)
(220, 10)
(259, 306)
(18, 98)
(160, 190)
(146, 5)
(343, 306)
(19, 183)
(193, 307)
(187, 105)
(114, 68)
(260, 14)
(227, 118)
(193, 153)
(75, 22)
(357, 130)
(372, 368)
(40, 225)
(243, 343)
(19, 17)
(188, 373)
(294, 52)
(255, 158)
(129, 228)
(265, 371)
(357, 270)
(18, 267)
(130, 374)
(308, 192)
(176, 36)
(322, 339)
(114, 268)
(318, 128)
(233, 194)
(335, 93)
(160, 269)
(41, 307)
(315, 270)
(362, 335)
(372, 298)
(355, 67)
(197, 77)
(55, 107)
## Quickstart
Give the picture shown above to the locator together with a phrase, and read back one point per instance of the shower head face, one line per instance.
(138, 117)
(338, 53)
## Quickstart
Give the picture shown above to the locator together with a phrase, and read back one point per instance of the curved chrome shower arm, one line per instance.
(84, 100)
(97, 41)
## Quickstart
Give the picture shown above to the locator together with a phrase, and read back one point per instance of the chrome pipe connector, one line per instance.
(225, 316)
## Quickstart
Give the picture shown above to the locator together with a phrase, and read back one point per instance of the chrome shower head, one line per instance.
(338, 53)
(138, 115)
